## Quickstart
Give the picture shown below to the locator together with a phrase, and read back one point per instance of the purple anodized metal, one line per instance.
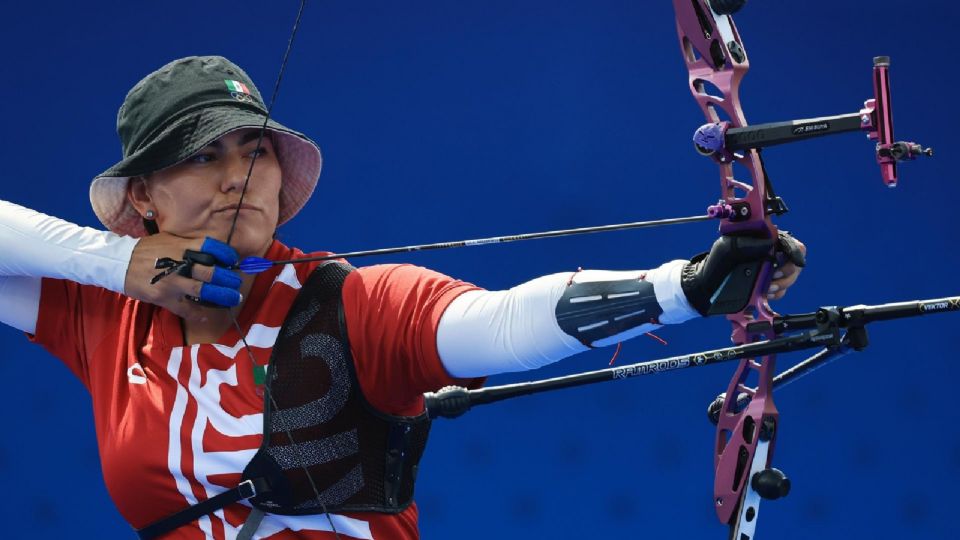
(717, 62)
(709, 139)
(878, 120)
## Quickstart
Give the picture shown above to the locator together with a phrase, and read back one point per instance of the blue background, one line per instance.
(447, 120)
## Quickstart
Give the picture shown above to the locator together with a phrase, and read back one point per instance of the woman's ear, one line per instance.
(139, 196)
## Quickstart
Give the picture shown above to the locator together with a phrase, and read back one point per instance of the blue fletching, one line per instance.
(254, 265)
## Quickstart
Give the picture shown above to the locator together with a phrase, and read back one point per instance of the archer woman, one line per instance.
(287, 404)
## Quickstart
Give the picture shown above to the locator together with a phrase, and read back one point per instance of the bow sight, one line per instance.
(722, 142)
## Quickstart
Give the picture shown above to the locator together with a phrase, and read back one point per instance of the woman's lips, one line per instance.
(233, 208)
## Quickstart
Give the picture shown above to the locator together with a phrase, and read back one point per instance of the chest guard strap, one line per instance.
(321, 436)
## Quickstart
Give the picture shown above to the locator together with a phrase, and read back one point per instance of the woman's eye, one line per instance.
(202, 158)
(260, 152)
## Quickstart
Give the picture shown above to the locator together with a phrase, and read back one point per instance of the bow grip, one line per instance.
(735, 292)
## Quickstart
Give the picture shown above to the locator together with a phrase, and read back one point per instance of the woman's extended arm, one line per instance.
(547, 319)
(553, 317)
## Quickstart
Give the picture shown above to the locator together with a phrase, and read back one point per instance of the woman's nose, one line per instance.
(235, 173)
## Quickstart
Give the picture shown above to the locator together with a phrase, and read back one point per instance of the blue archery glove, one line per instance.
(223, 290)
(722, 281)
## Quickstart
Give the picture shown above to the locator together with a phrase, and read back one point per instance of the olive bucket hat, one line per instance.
(179, 109)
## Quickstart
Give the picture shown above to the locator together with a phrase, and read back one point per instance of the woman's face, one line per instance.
(200, 196)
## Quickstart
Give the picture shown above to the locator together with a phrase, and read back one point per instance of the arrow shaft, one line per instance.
(504, 239)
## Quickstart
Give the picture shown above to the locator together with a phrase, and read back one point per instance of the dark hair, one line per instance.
(151, 226)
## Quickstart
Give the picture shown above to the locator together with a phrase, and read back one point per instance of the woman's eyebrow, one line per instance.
(244, 139)
(251, 136)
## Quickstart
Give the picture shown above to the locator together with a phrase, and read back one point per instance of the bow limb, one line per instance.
(717, 62)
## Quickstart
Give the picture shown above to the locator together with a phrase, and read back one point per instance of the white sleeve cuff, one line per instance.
(20, 302)
(38, 245)
(666, 285)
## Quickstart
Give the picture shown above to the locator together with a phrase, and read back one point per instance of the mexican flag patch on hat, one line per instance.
(236, 86)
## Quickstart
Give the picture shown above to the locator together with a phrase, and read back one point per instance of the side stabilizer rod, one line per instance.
(822, 328)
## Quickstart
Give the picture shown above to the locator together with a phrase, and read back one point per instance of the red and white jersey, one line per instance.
(177, 425)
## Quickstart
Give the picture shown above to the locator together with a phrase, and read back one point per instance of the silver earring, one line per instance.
(150, 214)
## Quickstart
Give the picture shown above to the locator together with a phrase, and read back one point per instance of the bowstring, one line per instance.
(303, 464)
(233, 227)
(266, 119)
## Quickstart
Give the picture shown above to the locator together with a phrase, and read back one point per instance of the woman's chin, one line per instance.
(251, 246)
(248, 239)
(247, 243)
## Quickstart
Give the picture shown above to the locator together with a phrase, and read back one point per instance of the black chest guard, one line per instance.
(358, 458)
(320, 435)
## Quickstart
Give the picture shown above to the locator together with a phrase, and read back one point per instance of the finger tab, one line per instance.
(222, 296)
(223, 252)
(225, 278)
